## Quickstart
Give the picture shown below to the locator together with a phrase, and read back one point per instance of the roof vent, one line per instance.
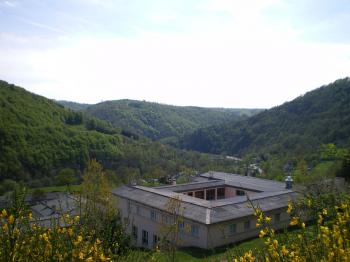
(289, 182)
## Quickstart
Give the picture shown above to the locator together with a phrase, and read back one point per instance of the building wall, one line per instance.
(136, 214)
(232, 192)
(209, 236)
(219, 234)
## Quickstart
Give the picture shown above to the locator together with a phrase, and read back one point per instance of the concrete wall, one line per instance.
(219, 234)
(140, 216)
(209, 236)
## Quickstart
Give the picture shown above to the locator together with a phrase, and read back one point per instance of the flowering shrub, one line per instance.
(327, 240)
(23, 240)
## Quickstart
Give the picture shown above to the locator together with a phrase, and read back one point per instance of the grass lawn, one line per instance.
(196, 254)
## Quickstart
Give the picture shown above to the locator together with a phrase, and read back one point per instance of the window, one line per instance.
(144, 237)
(221, 193)
(156, 239)
(126, 221)
(277, 217)
(153, 215)
(240, 192)
(134, 232)
(210, 194)
(194, 230)
(167, 219)
(190, 193)
(181, 226)
(247, 225)
(199, 194)
(129, 206)
(232, 229)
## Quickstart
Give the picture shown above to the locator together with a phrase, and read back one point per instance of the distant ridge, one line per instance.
(73, 105)
(159, 121)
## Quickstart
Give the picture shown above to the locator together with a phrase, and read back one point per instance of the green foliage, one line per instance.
(39, 138)
(159, 121)
(73, 105)
(98, 209)
(295, 128)
(66, 177)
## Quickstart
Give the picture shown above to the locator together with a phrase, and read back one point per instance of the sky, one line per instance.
(212, 53)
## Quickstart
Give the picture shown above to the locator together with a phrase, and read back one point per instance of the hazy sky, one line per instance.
(222, 53)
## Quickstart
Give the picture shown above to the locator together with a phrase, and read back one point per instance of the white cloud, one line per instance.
(11, 3)
(243, 61)
(43, 26)
(187, 70)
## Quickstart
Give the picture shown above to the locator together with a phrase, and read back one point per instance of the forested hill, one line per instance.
(39, 138)
(296, 127)
(157, 121)
(73, 105)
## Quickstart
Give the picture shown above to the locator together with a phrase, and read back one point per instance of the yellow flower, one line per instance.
(79, 239)
(294, 221)
(76, 219)
(45, 237)
(70, 232)
(324, 212)
(16, 232)
(267, 219)
(4, 213)
(303, 225)
(308, 202)
(257, 225)
(5, 227)
(284, 250)
(290, 208)
(81, 255)
(11, 219)
(262, 233)
(30, 216)
(103, 258)
(275, 243)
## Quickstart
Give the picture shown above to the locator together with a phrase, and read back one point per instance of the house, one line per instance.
(215, 208)
(48, 208)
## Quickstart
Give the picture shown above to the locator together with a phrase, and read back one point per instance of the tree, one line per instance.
(96, 194)
(66, 177)
(98, 209)
(173, 225)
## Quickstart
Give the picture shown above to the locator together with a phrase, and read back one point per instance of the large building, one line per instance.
(215, 208)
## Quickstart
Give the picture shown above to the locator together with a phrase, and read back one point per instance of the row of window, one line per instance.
(209, 193)
(166, 219)
(232, 228)
(144, 236)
